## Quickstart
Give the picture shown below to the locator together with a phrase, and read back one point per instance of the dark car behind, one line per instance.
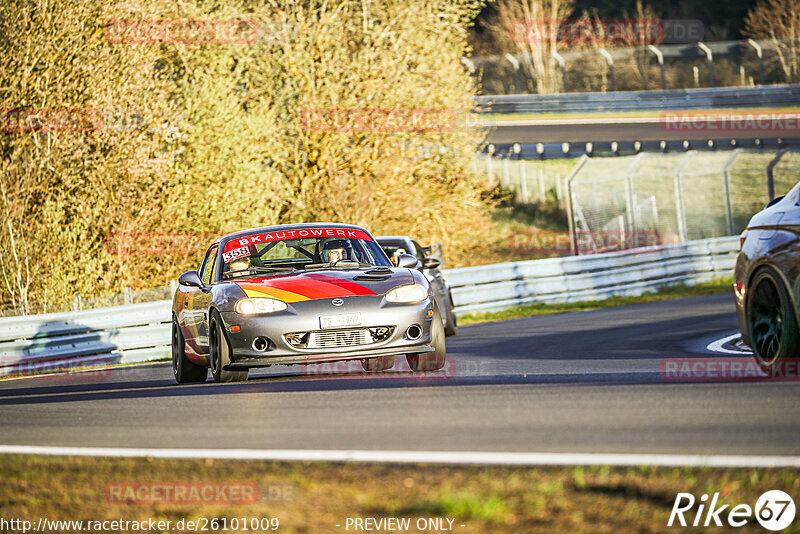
(767, 281)
(429, 266)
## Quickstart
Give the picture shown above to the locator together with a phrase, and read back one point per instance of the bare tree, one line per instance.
(530, 28)
(778, 21)
(637, 69)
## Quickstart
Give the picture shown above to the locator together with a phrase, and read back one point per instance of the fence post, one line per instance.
(610, 61)
(771, 166)
(629, 172)
(515, 63)
(559, 192)
(680, 208)
(726, 184)
(469, 64)
(127, 295)
(710, 57)
(573, 244)
(760, 55)
(489, 163)
(630, 217)
(660, 58)
(563, 66)
(523, 180)
(655, 209)
(542, 195)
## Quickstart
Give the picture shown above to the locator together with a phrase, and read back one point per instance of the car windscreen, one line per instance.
(287, 250)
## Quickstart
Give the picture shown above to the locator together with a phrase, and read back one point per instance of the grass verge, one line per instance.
(713, 287)
(315, 497)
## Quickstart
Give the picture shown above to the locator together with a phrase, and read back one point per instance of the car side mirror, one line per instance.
(407, 261)
(431, 263)
(774, 201)
(191, 279)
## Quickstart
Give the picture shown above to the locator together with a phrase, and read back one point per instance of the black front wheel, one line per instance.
(184, 370)
(431, 361)
(379, 364)
(771, 321)
(221, 354)
(450, 325)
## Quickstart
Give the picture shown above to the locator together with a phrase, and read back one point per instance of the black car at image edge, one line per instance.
(767, 281)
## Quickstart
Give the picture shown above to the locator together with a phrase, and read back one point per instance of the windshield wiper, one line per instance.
(267, 268)
(255, 269)
(341, 264)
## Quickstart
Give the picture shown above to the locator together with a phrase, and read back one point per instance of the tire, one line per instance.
(185, 371)
(771, 321)
(379, 364)
(220, 356)
(450, 325)
(431, 361)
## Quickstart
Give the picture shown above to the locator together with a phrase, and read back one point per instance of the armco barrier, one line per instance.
(141, 332)
(627, 148)
(492, 288)
(69, 340)
(675, 99)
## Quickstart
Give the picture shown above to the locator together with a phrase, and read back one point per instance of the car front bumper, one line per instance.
(304, 317)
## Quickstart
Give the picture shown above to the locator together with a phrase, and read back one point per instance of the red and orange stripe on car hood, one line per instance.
(297, 288)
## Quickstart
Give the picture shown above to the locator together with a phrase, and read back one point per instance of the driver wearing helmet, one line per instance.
(335, 250)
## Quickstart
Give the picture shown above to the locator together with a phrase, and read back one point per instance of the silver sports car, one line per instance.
(302, 294)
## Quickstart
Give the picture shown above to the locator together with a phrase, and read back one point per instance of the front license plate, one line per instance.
(336, 321)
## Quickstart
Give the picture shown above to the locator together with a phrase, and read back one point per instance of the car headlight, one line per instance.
(259, 305)
(407, 294)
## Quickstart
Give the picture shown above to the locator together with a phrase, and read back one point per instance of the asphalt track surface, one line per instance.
(606, 130)
(575, 382)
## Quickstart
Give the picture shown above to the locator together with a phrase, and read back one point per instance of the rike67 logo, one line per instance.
(774, 510)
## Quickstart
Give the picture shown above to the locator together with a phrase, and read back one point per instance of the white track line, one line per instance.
(717, 346)
(423, 457)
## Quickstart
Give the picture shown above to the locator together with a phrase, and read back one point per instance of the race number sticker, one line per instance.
(231, 255)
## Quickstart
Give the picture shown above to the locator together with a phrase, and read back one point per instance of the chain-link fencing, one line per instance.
(653, 198)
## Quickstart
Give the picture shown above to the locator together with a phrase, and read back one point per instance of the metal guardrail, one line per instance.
(141, 332)
(676, 99)
(627, 148)
(70, 340)
(490, 288)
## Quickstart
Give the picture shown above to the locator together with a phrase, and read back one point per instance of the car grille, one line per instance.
(339, 338)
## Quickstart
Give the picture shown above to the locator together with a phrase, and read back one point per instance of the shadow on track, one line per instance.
(286, 383)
